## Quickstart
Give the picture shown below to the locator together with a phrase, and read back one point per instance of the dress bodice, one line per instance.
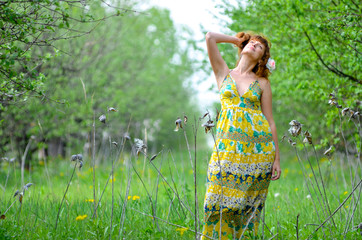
(230, 97)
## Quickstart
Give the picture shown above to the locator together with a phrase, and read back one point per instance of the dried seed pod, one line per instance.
(328, 151)
(208, 125)
(111, 109)
(80, 164)
(102, 118)
(115, 144)
(217, 115)
(207, 113)
(74, 158)
(153, 157)
(178, 123)
(16, 193)
(2, 216)
(291, 142)
(139, 146)
(126, 136)
(345, 111)
(307, 133)
(26, 187)
(283, 138)
(332, 102)
(295, 130)
(21, 197)
(355, 115)
(80, 157)
(307, 140)
(185, 119)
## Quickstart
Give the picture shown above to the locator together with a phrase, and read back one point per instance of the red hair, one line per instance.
(260, 68)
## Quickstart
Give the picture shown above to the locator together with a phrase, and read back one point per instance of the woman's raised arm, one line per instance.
(217, 62)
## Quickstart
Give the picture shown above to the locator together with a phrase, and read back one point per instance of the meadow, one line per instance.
(153, 196)
(66, 175)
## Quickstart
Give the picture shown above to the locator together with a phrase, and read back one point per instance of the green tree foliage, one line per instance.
(134, 64)
(317, 48)
(29, 25)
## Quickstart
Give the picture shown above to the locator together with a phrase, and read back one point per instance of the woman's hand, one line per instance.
(238, 42)
(276, 171)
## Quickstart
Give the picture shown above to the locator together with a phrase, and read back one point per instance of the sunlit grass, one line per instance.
(287, 198)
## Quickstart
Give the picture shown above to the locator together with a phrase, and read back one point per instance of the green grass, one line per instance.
(287, 197)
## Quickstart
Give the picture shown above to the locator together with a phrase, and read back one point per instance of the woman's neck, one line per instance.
(245, 65)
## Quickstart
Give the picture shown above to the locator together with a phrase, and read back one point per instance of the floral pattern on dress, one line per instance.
(239, 170)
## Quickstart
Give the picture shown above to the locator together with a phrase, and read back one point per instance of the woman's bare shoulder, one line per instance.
(264, 83)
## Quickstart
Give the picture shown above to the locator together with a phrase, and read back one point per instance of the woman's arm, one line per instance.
(266, 108)
(217, 62)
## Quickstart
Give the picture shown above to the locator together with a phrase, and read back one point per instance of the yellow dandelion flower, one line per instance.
(181, 230)
(347, 206)
(286, 171)
(310, 175)
(90, 186)
(112, 180)
(89, 200)
(81, 217)
(135, 198)
(129, 197)
(296, 189)
(345, 193)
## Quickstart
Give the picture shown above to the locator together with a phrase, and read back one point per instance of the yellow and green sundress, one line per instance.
(239, 170)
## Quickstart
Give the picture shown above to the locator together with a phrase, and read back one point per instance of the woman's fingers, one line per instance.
(276, 172)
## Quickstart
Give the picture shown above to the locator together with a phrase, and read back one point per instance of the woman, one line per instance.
(246, 153)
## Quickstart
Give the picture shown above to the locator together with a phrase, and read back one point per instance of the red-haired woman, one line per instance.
(246, 155)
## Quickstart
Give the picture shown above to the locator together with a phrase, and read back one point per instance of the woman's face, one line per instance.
(254, 48)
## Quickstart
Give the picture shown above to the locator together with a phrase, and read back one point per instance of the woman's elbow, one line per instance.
(208, 36)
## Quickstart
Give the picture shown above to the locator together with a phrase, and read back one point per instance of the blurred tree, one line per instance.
(29, 31)
(135, 64)
(27, 25)
(317, 48)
